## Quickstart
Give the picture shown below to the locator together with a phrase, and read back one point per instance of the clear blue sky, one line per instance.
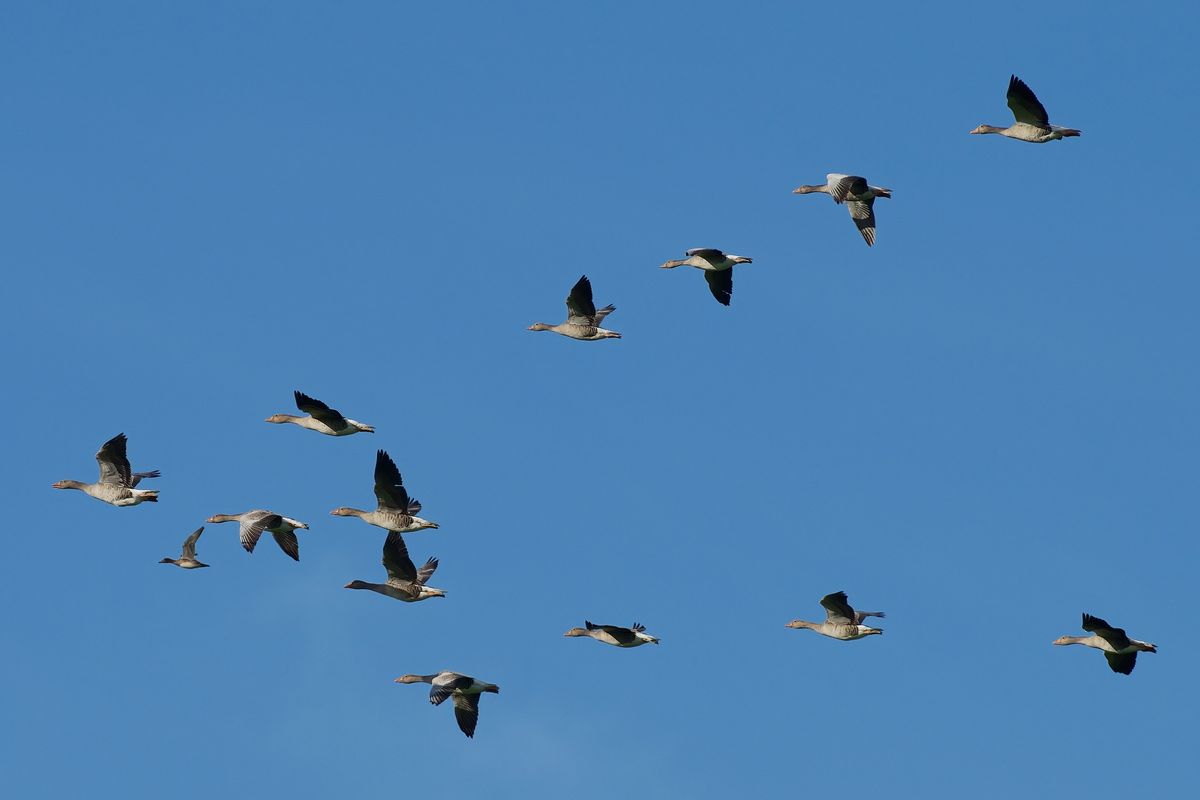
(984, 425)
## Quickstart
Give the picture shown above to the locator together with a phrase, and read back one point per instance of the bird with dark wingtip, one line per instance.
(841, 620)
(464, 690)
(717, 266)
(395, 510)
(321, 418)
(117, 485)
(1032, 122)
(583, 319)
(615, 634)
(1119, 649)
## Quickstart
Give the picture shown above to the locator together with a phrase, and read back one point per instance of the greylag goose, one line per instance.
(1119, 649)
(857, 194)
(405, 582)
(717, 266)
(841, 621)
(1033, 124)
(614, 634)
(252, 524)
(117, 480)
(583, 320)
(188, 558)
(463, 688)
(396, 510)
(321, 419)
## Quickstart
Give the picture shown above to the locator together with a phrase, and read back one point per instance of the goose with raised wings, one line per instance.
(118, 482)
(396, 511)
(321, 418)
(1032, 122)
(841, 620)
(405, 582)
(583, 319)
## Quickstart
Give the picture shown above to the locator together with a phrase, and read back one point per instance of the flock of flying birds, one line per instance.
(397, 512)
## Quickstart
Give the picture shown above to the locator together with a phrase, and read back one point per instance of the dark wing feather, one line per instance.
(720, 283)
(707, 253)
(189, 544)
(396, 560)
(619, 634)
(389, 485)
(288, 543)
(1122, 662)
(439, 691)
(837, 608)
(1024, 104)
(114, 465)
(466, 711)
(1114, 636)
(580, 308)
(319, 411)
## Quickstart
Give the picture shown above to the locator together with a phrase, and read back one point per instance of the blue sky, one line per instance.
(984, 425)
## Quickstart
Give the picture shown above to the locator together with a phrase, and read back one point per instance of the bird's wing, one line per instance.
(288, 543)
(1121, 662)
(707, 253)
(426, 571)
(601, 313)
(114, 465)
(580, 308)
(253, 523)
(863, 214)
(720, 283)
(319, 411)
(136, 478)
(189, 544)
(619, 634)
(466, 711)
(1025, 105)
(389, 485)
(445, 686)
(844, 186)
(396, 560)
(1114, 636)
(837, 609)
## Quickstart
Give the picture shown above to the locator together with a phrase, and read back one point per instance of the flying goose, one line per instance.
(858, 196)
(396, 510)
(717, 266)
(117, 481)
(251, 525)
(463, 688)
(405, 582)
(321, 419)
(841, 621)
(188, 559)
(1032, 125)
(583, 320)
(615, 635)
(1119, 649)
